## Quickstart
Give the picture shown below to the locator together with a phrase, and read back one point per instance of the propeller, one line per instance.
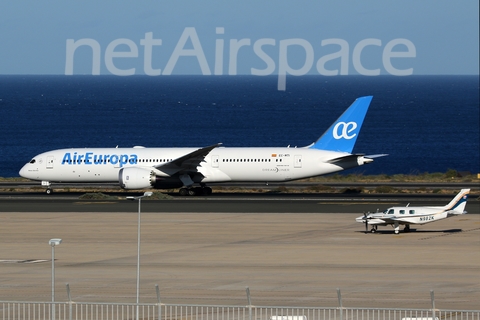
(366, 221)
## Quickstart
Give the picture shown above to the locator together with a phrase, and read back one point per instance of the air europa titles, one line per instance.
(90, 158)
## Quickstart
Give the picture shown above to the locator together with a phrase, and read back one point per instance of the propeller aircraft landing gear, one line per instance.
(397, 228)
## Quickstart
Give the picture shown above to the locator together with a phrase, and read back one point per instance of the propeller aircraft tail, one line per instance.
(457, 205)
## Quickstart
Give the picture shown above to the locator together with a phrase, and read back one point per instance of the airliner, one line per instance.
(190, 169)
(396, 216)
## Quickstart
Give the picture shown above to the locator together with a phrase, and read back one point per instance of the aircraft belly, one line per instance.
(254, 173)
(85, 174)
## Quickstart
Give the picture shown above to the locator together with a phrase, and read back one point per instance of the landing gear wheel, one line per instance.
(49, 191)
(374, 229)
(197, 191)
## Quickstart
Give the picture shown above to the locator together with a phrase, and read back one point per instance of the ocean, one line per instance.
(425, 123)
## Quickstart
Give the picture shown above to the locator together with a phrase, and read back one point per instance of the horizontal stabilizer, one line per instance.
(359, 158)
(345, 158)
(373, 156)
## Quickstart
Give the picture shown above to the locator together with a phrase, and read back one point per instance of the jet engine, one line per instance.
(136, 178)
(141, 178)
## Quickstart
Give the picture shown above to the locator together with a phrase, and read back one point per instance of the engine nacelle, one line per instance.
(141, 178)
(136, 178)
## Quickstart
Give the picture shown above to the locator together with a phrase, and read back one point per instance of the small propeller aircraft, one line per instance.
(396, 216)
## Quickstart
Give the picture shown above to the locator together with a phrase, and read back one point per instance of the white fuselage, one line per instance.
(408, 215)
(165, 168)
(220, 165)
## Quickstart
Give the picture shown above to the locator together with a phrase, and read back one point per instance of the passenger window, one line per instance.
(412, 212)
(402, 211)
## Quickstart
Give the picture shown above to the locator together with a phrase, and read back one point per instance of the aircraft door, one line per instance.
(50, 161)
(215, 161)
(298, 161)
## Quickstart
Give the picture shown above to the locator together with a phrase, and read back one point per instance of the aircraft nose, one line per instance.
(23, 171)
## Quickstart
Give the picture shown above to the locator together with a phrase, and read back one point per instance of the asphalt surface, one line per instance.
(290, 250)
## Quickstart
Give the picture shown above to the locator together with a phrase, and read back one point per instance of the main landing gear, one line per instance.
(195, 191)
(397, 228)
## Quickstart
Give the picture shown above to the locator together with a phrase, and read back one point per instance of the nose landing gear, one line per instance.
(47, 184)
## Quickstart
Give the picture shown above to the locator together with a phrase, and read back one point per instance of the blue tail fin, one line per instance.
(343, 133)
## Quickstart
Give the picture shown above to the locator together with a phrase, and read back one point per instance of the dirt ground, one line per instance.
(288, 259)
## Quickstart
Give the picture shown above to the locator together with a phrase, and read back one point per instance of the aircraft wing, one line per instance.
(402, 220)
(188, 162)
(380, 220)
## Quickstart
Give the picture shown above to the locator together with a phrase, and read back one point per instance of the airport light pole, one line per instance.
(139, 198)
(53, 242)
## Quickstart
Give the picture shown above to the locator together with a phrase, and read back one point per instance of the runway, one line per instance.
(289, 251)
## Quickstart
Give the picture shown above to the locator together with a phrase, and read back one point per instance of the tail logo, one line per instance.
(342, 130)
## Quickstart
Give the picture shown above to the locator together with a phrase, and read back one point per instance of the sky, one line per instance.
(252, 37)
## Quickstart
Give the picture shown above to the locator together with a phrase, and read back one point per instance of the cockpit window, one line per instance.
(391, 211)
(33, 161)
